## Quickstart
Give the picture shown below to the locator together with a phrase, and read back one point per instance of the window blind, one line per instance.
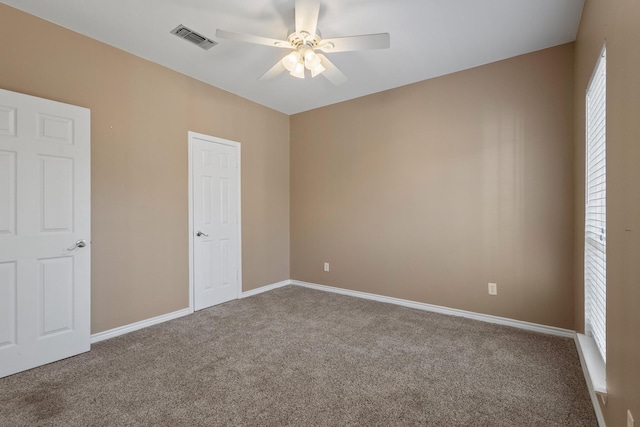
(595, 256)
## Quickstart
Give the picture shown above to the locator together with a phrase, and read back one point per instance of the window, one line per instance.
(595, 244)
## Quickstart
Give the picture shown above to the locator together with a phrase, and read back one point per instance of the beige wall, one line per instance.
(426, 192)
(430, 191)
(617, 22)
(141, 113)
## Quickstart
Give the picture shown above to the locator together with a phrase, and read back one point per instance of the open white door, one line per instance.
(44, 231)
(215, 219)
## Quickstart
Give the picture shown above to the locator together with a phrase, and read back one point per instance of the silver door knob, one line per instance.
(79, 244)
(200, 233)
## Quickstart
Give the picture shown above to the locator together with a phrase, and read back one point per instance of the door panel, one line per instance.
(7, 192)
(206, 265)
(56, 188)
(7, 120)
(206, 200)
(224, 201)
(55, 295)
(55, 129)
(44, 210)
(215, 206)
(8, 303)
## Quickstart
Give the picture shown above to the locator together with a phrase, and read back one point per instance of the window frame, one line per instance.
(595, 207)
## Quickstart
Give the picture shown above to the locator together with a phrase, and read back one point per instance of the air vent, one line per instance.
(195, 38)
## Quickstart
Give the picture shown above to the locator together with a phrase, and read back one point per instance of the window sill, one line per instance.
(593, 365)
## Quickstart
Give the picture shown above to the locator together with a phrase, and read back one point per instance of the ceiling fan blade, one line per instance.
(306, 13)
(344, 44)
(273, 71)
(248, 38)
(331, 72)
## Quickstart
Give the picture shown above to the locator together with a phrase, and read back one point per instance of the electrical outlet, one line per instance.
(493, 289)
(630, 421)
(326, 266)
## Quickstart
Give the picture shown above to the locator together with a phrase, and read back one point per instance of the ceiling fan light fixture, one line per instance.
(298, 71)
(311, 60)
(291, 61)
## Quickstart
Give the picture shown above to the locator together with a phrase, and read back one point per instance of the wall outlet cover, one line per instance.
(493, 289)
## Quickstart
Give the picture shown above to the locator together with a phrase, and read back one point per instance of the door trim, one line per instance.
(192, 136)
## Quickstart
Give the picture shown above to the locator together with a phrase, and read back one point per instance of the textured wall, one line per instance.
(430, 191)
(141, 113)
(617, 23)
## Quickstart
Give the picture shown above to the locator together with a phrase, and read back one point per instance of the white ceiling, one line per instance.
(429, 38)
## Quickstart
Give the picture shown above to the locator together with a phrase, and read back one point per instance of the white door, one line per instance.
(44, 210)
(215, 224)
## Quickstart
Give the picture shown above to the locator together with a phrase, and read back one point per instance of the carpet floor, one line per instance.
(300, 357)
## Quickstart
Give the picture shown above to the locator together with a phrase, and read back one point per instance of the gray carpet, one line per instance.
(299, 357)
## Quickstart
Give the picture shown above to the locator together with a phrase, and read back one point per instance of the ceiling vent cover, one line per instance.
(195, 38)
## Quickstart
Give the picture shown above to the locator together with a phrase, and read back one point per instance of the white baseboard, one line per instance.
(115, 332)
(551, 330)
(265, 289)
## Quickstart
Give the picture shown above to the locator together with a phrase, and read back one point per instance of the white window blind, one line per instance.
(595, 252)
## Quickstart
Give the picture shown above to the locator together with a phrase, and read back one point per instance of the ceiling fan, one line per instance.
(305, 43)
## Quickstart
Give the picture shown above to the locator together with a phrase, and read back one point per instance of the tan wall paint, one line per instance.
(617, 22)
(430, 191)
(141, 113)
(474, 186)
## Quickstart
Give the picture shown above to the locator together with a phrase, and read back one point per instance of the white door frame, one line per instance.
(213, 139)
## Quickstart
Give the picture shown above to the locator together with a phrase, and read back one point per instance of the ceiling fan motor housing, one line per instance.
(304, 39)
